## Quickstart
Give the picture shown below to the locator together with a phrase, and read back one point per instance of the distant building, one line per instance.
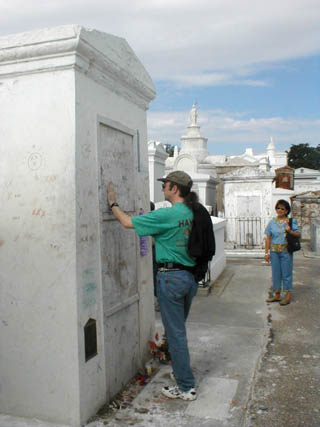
(249, 199)
(206, 169)
(239, 188)
(306, 180)
(274, 159)
(192, 158)
(267, 161)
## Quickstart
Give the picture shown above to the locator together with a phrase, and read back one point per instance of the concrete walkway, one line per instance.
(227, 336)
(286, 388)
(235, 338)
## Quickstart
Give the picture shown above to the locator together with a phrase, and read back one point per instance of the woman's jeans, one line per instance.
(282, 266)
(175, 291)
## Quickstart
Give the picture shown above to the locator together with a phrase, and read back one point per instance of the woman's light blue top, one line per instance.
(277, 231)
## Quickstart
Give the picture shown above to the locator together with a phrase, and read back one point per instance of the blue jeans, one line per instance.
(282, 267)
(175, 291)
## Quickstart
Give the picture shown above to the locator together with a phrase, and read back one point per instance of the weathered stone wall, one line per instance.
(306, 207)
(315, 235)
(221, 170)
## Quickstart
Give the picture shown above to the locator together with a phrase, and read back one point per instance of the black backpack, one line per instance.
(201, 243)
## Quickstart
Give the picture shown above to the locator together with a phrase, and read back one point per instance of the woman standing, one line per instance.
(276, 252)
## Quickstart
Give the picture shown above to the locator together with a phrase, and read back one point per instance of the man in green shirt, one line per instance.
(176, 286)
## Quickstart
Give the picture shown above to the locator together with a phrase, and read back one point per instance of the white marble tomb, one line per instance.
(76, 310)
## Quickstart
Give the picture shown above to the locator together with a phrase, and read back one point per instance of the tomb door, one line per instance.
(248, 222)
(117, 154)
(248, 206)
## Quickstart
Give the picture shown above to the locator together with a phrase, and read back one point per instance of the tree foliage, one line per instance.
(170, 149)
(304, 156)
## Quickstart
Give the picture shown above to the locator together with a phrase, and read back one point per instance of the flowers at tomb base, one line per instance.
(159, 350)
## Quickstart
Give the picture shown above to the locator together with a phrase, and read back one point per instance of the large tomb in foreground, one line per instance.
(76, 309)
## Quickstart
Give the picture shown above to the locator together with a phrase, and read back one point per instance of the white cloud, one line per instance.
(215, 79)
(203, 42)
(228, 132)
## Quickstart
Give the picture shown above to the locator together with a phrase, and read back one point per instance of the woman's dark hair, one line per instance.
(190, 197)
(285, 204)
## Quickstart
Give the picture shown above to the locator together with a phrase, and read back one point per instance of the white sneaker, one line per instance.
(173, 392)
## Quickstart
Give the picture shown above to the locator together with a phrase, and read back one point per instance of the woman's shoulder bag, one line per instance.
(293, 241)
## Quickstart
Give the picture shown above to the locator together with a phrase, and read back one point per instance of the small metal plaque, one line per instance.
(90, 339)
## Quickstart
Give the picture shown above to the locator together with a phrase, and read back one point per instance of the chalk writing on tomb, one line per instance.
(52, 246)
(89, 289)
(34, 161)
(84, 233)
(11, 195)
(39, 212)
(50, 198)
(6, 185)
(117, 149)
(89, 294)
(86, 150)
(50, 178)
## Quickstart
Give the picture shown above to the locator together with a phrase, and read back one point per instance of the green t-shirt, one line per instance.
(170, 228)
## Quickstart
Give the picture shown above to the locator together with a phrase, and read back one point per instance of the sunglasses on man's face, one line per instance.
(164, 184)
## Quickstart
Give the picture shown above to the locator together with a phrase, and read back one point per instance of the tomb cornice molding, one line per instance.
(109, 73)
(70, 47)
(206, 180)
(248, 173)
(248, 178)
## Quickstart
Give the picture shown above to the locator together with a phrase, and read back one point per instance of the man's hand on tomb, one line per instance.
(111, 194)
(122, 217)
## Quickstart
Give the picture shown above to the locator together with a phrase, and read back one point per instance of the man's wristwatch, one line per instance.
(113, 205)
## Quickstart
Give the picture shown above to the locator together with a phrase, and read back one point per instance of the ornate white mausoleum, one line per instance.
(192, 158)
(206, 169)
(235, 187)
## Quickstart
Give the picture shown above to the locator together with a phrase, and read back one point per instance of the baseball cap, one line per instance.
(178, 177)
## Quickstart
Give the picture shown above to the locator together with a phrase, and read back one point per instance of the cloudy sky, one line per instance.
(252, 66)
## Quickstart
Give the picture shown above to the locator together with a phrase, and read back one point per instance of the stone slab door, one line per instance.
(248, 222)
(117, 155)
